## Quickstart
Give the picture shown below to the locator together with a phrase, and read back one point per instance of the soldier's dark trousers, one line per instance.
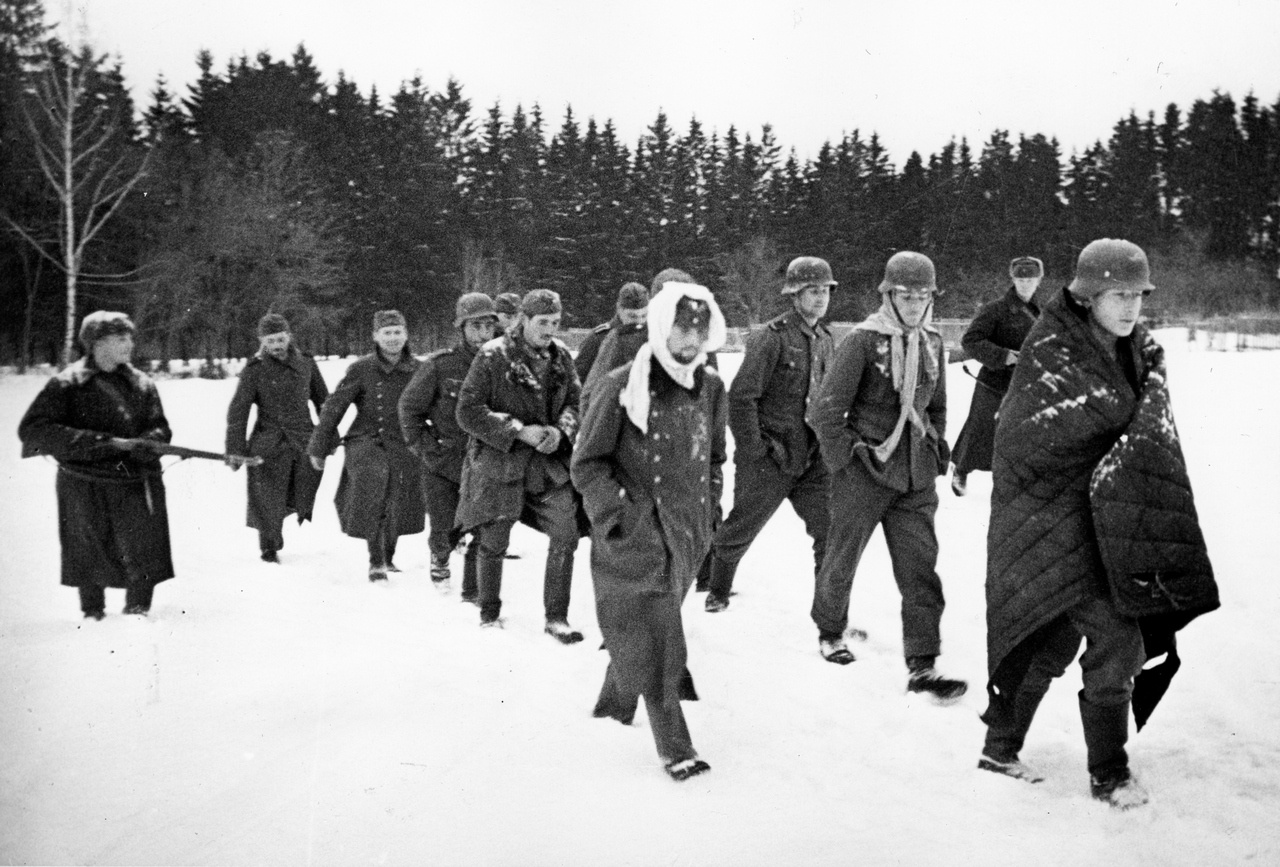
(858, 505)
(440, 496)
(382, 547)
(1113, 656)
(554, 512)
(93, 597)
(759, 488)
(282, 483)
(666, 719)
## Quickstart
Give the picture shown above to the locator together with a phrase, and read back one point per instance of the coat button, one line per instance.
(657, 479)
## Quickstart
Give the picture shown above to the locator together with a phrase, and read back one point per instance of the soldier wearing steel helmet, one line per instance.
(770, 414)
(427, 410)
(881, 419)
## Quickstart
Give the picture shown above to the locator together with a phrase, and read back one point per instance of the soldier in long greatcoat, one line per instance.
(112, 519)
(993, 339)
(648, 463)
(280, 381)
(379, 496)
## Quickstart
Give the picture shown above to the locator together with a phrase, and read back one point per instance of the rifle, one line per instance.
(184, 452)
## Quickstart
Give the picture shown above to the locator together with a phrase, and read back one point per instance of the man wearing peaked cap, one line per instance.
(993, 339)
(519, 404)
(280, 381)
(379, 495)
(648, 462)
(428, 420)
(771, 405)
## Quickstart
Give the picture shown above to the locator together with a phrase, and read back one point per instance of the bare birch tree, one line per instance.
(76, 140)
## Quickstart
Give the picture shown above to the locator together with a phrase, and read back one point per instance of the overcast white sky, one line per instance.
(916, 72)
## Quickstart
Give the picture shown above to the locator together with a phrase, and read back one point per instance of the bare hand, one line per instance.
(532, 435)
(317, 463)
(550, 441)
(1012, 358)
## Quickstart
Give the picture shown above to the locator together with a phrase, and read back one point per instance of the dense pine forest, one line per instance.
(263, 184)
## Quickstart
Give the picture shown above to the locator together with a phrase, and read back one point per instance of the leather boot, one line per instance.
(1106, 731)
(489, 585)
(557, 581)
(469, 591)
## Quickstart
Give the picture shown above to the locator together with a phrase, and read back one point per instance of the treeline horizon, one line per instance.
(265, 187)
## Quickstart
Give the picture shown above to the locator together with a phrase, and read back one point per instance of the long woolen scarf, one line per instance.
(634, 396)
(905, 360)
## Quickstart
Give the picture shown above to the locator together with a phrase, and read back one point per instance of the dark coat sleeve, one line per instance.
(324, 440)
(319, 390)
(839, 389)
(758, 361)
(593, 467)
(474, 414)
(415, 406)
(979, 338)
(238, 412)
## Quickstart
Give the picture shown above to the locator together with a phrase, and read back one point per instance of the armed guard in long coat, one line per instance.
(771, 404)
(1094, 532)
(379, 496)
(428, 419)
(994, 338)
(649, 465)
(112, 520)
(519, 404)
(881, 422)
(280, 381)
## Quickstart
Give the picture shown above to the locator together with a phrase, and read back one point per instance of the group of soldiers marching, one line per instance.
(626, 443)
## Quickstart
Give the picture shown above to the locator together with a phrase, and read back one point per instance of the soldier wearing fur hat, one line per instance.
(629, 316)
(379, 495)
(112, 520)
(649, 465)
(428, 421)
(1094, 534)
(519, 404)
(771, 404)
(881, 421)
(280, 381)
(994, 338)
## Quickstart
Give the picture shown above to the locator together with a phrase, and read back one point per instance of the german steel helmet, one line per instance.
(473, 305)
(807, 271)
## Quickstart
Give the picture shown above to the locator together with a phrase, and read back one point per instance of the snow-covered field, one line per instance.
(296, 714)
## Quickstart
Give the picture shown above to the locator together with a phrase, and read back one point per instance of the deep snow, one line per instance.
(296, 714)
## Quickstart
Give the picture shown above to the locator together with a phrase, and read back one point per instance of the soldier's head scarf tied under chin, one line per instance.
(662, 314)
